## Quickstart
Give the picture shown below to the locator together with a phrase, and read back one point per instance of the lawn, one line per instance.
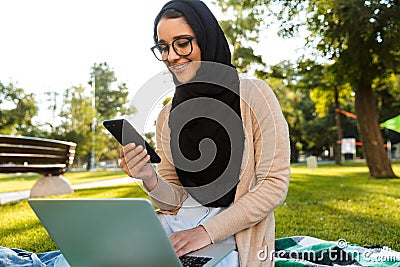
(12, 182)
(342, 202)
(330, 202)
(19, 226)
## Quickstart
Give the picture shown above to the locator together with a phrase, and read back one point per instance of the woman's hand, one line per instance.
(135, 163)
(190, 240)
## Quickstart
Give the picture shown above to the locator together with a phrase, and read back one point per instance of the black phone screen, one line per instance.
(125, 133)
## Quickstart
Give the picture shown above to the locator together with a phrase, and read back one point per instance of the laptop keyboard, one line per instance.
(194, 261)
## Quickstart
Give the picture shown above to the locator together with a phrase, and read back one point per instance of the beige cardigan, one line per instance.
(264, 178)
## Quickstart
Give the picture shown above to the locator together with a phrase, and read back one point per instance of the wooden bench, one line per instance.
(50, 158)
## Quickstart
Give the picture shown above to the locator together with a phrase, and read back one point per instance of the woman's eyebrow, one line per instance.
(162, 41)
(182, 36)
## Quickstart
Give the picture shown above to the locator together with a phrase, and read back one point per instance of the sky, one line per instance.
(49, 45)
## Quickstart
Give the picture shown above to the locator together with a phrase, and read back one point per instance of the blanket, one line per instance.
(313, 252)
(302, 251)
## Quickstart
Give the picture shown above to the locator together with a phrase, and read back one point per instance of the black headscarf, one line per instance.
(206, 108)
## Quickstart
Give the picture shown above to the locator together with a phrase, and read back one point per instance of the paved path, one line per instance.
(20, 195)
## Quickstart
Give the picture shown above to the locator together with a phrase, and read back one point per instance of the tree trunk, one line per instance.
(371, 137)
(338, 146)
(294, 153)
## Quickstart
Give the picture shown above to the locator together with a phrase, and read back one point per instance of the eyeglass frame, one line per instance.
(189, 38)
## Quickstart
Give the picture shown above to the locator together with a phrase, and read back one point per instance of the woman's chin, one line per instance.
(182, 78)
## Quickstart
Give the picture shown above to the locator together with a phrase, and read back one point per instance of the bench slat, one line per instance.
(32, 150)
(19, 140)
(45, 169)
(32, 158)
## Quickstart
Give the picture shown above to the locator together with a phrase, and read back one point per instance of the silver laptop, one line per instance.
(115, 232)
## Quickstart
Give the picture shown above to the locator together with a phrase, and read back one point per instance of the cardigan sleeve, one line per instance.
(168, 195)
(269, 171)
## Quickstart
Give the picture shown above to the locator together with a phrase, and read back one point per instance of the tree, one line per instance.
(17, 110)
(361, 38)
(110, 102)
(327, 89)
(76, 117)
(242, 34)
(297, 107)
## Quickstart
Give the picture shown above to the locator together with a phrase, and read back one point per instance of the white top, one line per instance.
(191, 215)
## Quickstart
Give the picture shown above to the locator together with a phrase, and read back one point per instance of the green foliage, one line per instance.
(76, 115)
(387, 92)
(16, 110)
(166, 101)
(150, 138)
(362, 36)
(74, 118)
(80, 123)
(242, 32)
(296, 105)
(306, 94)
(358, 41)
(322, 81)
(110, 102)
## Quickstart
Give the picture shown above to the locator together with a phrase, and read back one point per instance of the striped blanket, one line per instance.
(313, 252)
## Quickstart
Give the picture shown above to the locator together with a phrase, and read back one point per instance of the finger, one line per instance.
(132, 154)
(124, 150)
(178, 243)
(184, 250)
(135, 156)
(121, 153)
(124, 166)
(127, 148)
(135, 167)
(142, 163)
(122, 162)
(127, 171)
(183, 247)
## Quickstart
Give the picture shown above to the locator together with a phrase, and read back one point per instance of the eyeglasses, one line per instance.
(182, 47)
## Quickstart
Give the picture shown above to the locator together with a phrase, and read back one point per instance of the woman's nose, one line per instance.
(172, 55)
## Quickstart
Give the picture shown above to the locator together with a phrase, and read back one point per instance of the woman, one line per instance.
(223, 190)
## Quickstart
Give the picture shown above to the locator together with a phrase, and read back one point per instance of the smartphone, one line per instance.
(125, 133)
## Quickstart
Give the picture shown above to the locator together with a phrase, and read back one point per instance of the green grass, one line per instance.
(16, 182)
(333, 202)
(19, 226)
(329, 202)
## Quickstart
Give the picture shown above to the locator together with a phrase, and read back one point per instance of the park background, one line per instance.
(338, 78)
(334, 71)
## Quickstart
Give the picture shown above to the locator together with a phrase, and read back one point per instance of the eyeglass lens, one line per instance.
(181, 46)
